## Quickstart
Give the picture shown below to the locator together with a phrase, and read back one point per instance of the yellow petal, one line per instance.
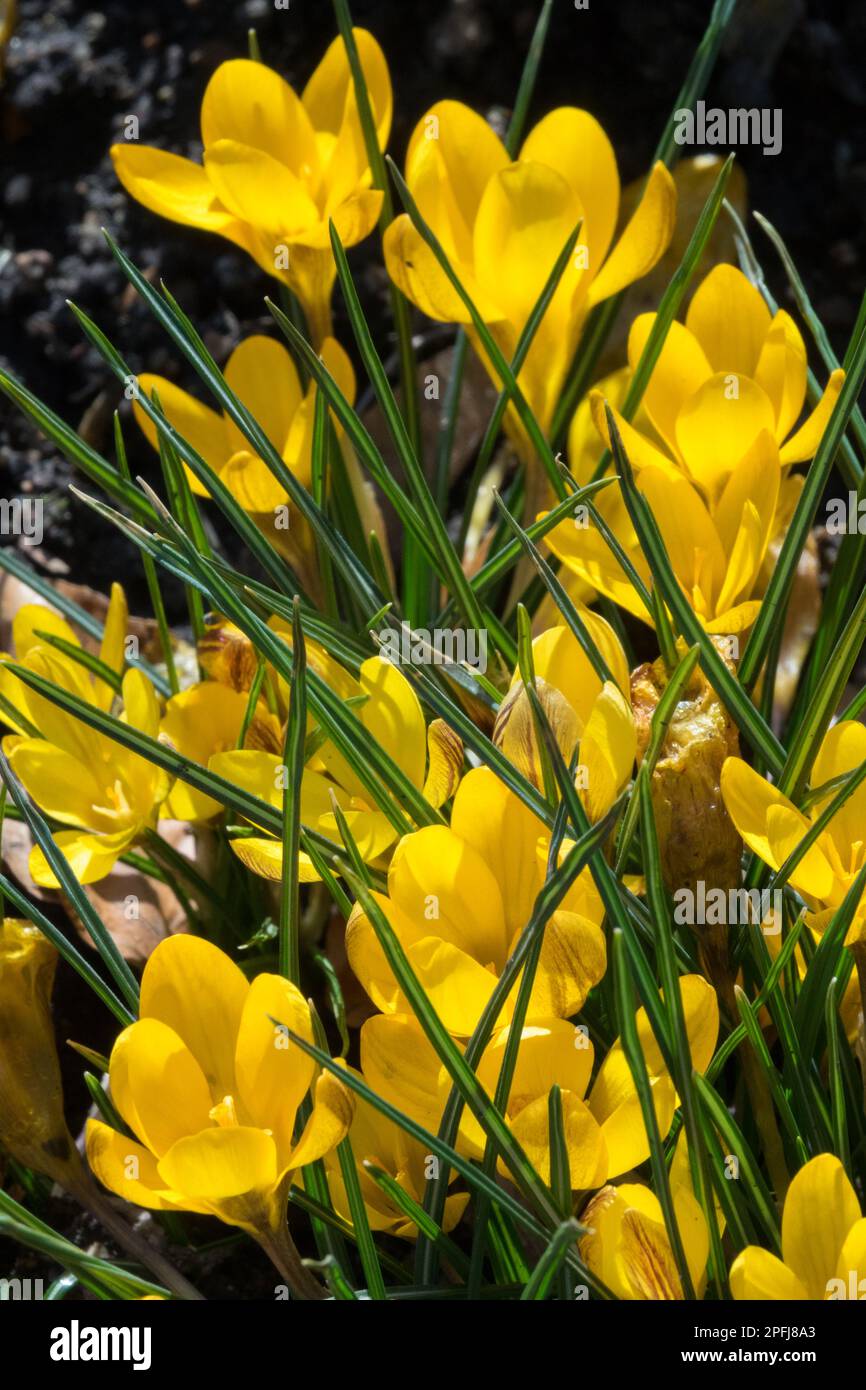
(258, 189)
(328, 1124)
(758, 1275)
(644, 240)
(90, 856)
(250, 103)
(821, 1207)
(37, 617)
(263, 376)
(526, 214)
(171, 186)
(715, 428)
(198, 721)
(804, 444)
(200, 426)
(445, 762)
(114, 1158)
(607, 750)
(61, 784)
(561, 661)
(400, 1065)
(584, 1144)
(646, 1261)
(852, 1260)
(749, 799)
(443, 885)
(220, 1164)
(112, 649)
(573, 959)
(199, 992)
(273, 1074)
(687, 529)
(329, 95)
(393, 716)
(157, 1085)
(573, 143)
(452, 156)
(679, 372)
(730, 320)
(417, 273)
(505, 833)
(781, 371)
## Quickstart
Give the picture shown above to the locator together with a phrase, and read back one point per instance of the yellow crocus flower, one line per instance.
(716, 555)
(276, 169)
(32, 1124)
(198, 722)
(603, 1123)
(584, 712)
(823, 1242)
(389, 711)
(502, 223)
(728, 374)
(210, 1086)
(628, 1246)
(772, 826)
(459, 895)
(377, 1139)
(79, 777)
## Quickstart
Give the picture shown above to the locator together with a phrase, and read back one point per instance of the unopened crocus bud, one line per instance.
(32, 1125)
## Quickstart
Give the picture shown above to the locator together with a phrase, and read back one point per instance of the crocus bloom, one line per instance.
(75, 775)
(723, 378)
(375, 1138)
(604, 1130)
(389, 711)
(584, 712)
(503, 223)
(32, 1125)
(210, 1085)
(276, 168)
(198, 722)
(823, 1242)
(459, 895)
(772, 826)
(717, 556)
(628, 1246)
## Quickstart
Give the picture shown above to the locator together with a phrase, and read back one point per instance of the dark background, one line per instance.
(75, 70)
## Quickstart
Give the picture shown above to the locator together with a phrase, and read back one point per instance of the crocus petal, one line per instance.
(113, 1159)
(573, 959)
(264, 378)
(201, 427)
(804, 444)
(646, 1261)
(61, 784)
(749, 798)
(821, 1207)
(687, 529)
(328, 1124)
(417, 273)
(715, 429)
(452, 156)
(438, 880)
(249, 102)
(730, 320)
(444, 762)
(157, 1085)
(330, 90)
(219, 1165)
(273, 1074)
(197, 721)
(852, 1260)
(607, 750)
(400, 1065)
(680, 370)
(640, 451)
(781, 371)
(626, 1140)
(90, 856)
(199, 992)
(842, 750)
(644, 240)
(112, 649)
(584, 1144)
(560, 660)
(171, 186)
(489, 817)
(392, 715)
(757, 1275)
(756, 479)
(526, 215)
(37, 617)
(265, 858)
(573, 143)
(258, 189)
